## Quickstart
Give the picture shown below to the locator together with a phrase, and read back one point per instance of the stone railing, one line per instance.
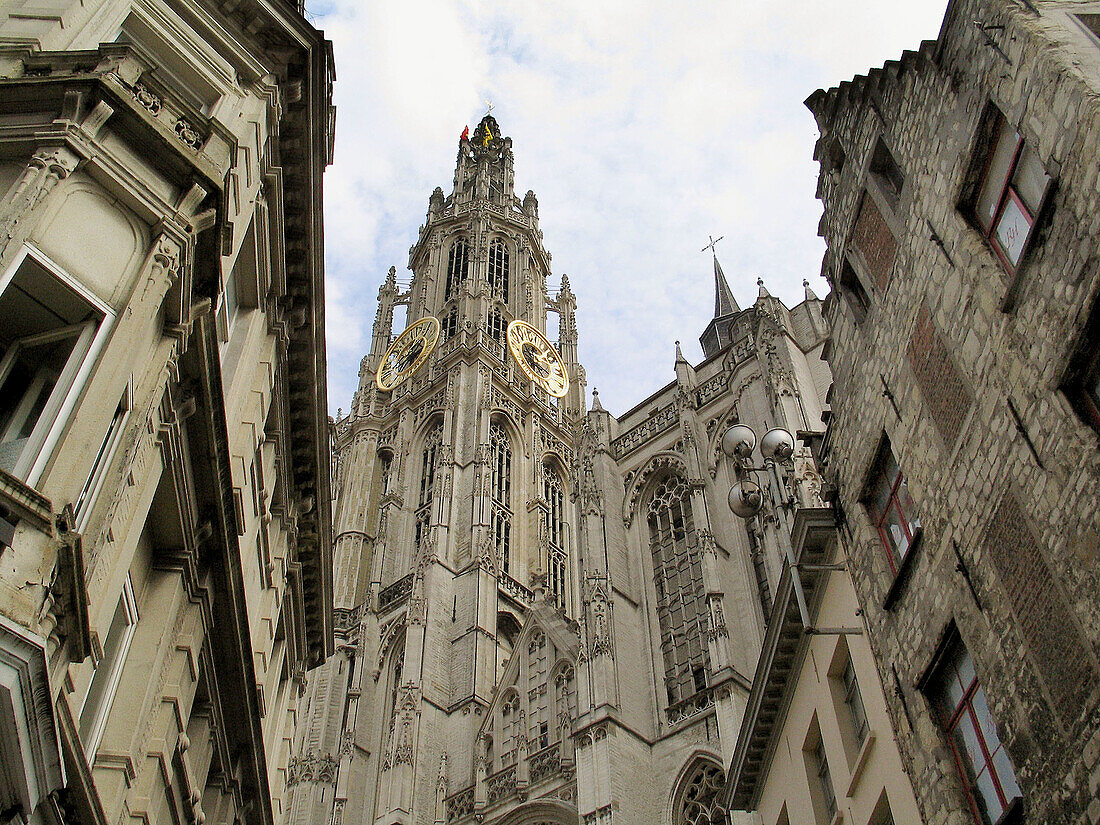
(545, 763)
(650, 428)
(514, 588)
(394, 594)
(460, 805)
(686, 708)
(500, 785)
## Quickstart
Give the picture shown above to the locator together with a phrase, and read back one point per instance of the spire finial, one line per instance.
(679, 354)
(488, 107)
(810, 296)
(710, 246)
(596, 405)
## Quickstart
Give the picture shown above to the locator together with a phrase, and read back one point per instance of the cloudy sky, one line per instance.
(642, 126)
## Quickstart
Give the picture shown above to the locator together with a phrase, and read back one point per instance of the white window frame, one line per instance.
(114, 677)
(104, 458)
(41, 444)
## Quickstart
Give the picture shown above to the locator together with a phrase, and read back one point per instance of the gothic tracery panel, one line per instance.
(697, 797)
(678, 580)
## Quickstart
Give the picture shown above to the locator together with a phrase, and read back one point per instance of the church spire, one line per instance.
(716, 335)
(724, 302)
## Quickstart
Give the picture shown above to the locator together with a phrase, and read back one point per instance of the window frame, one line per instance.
(42, 442)
(934, 685)
(100, 714)
(105, 456)
(909, 521)
(1006, 191)
(1083, 371)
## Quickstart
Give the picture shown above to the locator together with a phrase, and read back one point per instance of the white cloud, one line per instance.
(644, 127)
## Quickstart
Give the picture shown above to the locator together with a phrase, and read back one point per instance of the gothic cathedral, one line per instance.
(544, 613)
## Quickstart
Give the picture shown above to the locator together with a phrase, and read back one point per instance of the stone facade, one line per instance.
(590, 662)
(165, 545)
(960, 190)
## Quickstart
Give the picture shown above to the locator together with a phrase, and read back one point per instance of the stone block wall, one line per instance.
(960, 364)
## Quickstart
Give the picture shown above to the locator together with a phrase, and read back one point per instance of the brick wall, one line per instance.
(871, 235)
(946, 395)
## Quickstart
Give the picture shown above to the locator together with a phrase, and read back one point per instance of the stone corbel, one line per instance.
(46, 167)
(65, 608)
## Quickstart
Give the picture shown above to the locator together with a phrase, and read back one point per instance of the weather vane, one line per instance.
(710, 246)
(488, 107)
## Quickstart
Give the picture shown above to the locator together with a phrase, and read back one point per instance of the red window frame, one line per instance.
(897, 503)
(1006, 194)
(964, 713)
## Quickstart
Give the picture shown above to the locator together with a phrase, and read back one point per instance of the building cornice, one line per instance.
(784, 648)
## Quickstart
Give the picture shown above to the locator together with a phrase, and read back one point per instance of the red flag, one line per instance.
(465, 134)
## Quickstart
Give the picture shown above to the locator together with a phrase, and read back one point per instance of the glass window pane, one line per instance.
(996, 176)
(1006, 773)
(894, 531)
(989, 804)
(1030, 179)
(966, 739)
(1013, 228)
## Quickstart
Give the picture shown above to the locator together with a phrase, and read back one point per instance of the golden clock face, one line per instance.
(406, 355)
(537, 358)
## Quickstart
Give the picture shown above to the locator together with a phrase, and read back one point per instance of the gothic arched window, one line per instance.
(497, 325)
(696, 801)
(678, 579)
(565, 697)
(538, 702)
(500, 486)
(557, 553)
(457, 263)
(508, 713)
(498, 270)
(429, 463)
(449, 325)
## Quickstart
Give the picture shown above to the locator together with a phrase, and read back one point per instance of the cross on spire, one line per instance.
(710, 246)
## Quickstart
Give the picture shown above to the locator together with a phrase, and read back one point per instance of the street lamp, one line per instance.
(746, 498)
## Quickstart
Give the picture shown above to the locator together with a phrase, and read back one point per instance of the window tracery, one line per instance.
(457, 264)
(678, 580)
(538, 710)
(697, 801)
(449, 326)
(565, 698)
(429, 464)
(498, 270)
(500, 515)
(558, 557)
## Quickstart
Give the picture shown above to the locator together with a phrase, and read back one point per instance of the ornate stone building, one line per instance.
(960, 190)
(544, 613)
(165, 544)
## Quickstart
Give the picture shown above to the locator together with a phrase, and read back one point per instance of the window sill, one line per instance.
(901, 578)
(861, 763)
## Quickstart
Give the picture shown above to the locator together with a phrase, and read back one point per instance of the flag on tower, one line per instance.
(465, 134)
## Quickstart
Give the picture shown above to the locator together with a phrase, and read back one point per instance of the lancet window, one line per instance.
(557, 553)
(428, 466)
(457, 264)
(565, 697)
(508, 713)
(500, 484)
(497, 325)
(449, 325)
(498, 270)
(538, 700)
(678, 579)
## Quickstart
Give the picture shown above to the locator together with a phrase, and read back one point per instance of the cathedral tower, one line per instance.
(451, 516)
(544, 613)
